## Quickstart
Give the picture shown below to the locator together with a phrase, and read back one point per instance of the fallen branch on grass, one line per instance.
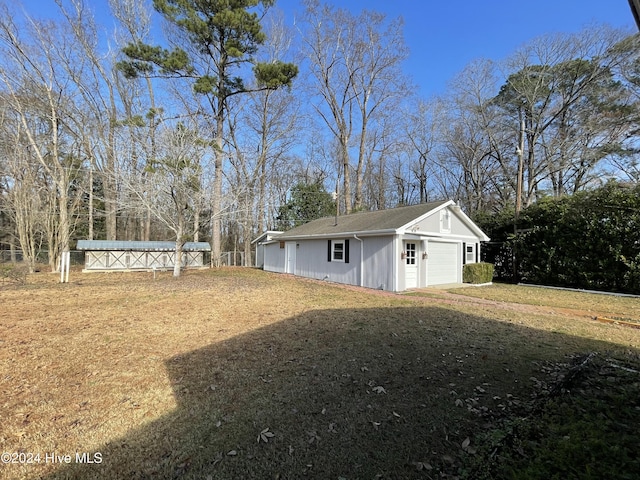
(626, 369)
(563, 384)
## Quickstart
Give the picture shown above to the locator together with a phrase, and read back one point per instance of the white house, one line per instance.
(395, 249)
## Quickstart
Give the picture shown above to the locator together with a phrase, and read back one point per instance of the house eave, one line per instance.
(377, 233)
(436, 235)
(259, 240)
(365, 233)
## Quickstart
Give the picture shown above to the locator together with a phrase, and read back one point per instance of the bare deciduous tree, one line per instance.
(42, 99)
(550, 82)
(356, 66)
(22, 191)
(172, 186)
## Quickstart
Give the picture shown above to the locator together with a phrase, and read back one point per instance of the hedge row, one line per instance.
(589, 240)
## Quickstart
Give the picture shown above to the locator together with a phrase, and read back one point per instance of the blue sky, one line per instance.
(444, 36)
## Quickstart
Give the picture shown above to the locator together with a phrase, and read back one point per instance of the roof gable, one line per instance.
(456, 211)
(471, 224)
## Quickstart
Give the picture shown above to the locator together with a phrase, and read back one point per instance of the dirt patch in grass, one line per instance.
(237, 373)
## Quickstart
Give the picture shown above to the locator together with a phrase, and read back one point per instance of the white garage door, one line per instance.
(443, 263)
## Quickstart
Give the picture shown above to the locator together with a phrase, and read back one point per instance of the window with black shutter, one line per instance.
(338, 251)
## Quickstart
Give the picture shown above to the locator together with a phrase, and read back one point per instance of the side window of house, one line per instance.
(470, 254)
(338, 251)
(445, 221)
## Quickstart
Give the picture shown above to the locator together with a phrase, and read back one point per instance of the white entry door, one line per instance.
(290, 257)
(443, 265)
(410, 265)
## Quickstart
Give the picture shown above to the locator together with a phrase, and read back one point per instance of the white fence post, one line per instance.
(65, 262)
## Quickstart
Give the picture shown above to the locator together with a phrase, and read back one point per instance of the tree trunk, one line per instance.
(90, 206)
(382, 184)
(65, 224)
(262, 187)
(247, 227)
(147, 226)
(110, 200)
(216, 203)
(177, 258)
(12, 252)
(196, 224)
(344, 151)
(357, 201)
(216, 206)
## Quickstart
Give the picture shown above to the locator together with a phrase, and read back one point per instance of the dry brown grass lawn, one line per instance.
(179, 377)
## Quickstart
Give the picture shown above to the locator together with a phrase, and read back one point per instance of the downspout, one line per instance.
(361, 259)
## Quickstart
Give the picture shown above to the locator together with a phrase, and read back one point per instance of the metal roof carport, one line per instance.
(107, 255)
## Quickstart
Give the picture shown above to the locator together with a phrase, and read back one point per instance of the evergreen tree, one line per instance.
(223, 36)
(308, 202)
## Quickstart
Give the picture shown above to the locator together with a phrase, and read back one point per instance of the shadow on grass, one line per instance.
(368, 393)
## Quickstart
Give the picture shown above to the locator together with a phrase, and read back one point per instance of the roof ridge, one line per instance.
(362, 212)
(367, 221)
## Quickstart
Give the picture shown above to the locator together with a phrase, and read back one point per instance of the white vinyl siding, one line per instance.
(379, 262)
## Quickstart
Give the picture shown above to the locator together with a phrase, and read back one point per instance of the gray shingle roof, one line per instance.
(140, 245)
(363, 222)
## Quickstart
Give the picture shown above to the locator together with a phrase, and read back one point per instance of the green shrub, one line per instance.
(477, 272)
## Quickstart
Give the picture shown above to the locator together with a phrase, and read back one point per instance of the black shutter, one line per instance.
(346, 251)
(464, 253)
(328, 250)
(477, 252)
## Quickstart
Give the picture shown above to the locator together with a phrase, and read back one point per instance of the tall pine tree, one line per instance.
(224, 36)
